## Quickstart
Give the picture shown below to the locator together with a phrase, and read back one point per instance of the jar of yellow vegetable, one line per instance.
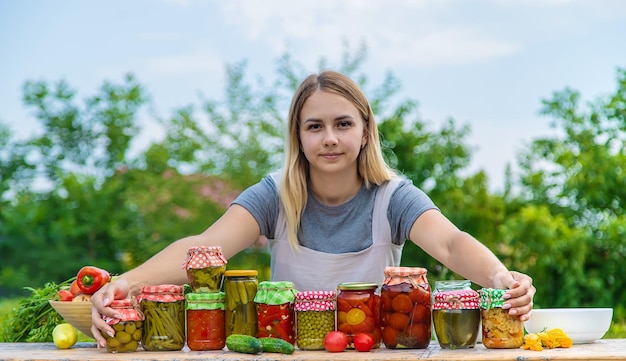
(128, 328)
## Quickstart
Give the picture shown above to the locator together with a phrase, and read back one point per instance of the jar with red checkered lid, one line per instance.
(164, 310)
(205, 268)
(315, 317)
(456, 314)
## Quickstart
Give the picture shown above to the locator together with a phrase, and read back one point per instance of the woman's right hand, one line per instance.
(101, 302)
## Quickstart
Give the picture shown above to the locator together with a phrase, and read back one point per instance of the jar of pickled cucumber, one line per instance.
(205, 321)
(315, 317)
(205, 268)
(499, 329)
(240, 287)
(405, 307)
(164, 310)
(456, 314)
(275, 313)
(128, 328)
(358, 310)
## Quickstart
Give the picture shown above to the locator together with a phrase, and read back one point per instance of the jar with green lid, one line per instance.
(205, 268)
(275, 315)
(240, 287)
(205, 321)
(315, 317)
(406, 308)
(164, 310)
(499, 329)
(128, 328)
(456, 314)
(358, 310)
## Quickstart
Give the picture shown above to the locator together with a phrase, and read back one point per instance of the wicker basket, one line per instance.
(76, 313)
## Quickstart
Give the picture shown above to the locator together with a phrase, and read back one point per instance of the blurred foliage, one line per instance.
(78, 189)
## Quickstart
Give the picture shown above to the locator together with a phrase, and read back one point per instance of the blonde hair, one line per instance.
(371, 165)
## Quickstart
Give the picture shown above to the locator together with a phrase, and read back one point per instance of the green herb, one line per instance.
(34, 318)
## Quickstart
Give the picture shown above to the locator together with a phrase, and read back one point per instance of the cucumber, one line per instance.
(273, 344)
(244, 344)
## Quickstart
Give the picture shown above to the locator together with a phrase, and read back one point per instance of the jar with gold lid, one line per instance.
(358, 310)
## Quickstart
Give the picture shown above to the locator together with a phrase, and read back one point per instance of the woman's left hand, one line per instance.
(519, 294)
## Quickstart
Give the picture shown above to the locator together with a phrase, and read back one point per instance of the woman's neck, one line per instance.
(334, 189)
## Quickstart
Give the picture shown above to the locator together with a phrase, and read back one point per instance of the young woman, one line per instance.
(335, 213)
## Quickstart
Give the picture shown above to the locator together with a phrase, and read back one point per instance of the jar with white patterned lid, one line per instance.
(164, 310)
(315, 317)
(205, 268)
(456, 314)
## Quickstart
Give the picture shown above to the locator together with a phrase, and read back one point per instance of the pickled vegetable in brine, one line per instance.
(456, 328)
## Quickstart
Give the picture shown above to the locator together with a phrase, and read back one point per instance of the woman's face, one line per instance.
(332, 133)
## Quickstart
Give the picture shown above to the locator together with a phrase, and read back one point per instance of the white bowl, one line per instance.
(582, 325)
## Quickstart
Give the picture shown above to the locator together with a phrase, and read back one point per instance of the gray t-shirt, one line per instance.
(343, 228)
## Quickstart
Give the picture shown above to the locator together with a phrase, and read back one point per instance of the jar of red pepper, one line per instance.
(405, 303)
(315, 317)
(205, 268)
(128, 328)
(358, 310)
(275, 312)
(164, 310)
(205, 321)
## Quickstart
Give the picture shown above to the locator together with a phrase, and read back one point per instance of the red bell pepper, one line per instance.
(65, 295)
(90, 279)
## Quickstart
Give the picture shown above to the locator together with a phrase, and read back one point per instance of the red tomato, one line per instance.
(335, 341)
(363, 342)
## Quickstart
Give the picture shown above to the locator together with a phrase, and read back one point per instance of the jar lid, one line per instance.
(127, 309)
(275, 292)
(491, 298)
(457, 299)
(396, 275)
(241, 273)
(203, 257)
(205, 301)
(391, 271)
(162, 293)
(357, 286)
(315, 301)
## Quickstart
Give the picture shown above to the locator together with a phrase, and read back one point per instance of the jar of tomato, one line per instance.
(315, 317)
(205, 268)
(405, 304)
(164, 310)
(358, 310)
(128, 328)
(456, 314)
(500, 330)
(205, 321)
(240, 287)
(275, 312)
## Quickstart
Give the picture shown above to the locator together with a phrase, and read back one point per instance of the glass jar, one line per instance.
(205, 321)
(405, 304)
(128, 328)
(315, 317)
(499, 329)
(275, 314)
(205, 268)
(164, 310)
(358, 310)
(456, 314)
(240, 287)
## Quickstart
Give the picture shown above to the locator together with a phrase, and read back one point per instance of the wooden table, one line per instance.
(610, 349)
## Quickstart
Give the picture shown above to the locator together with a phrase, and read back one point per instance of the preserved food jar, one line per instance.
(358, 310)
(128, 328)
(240, 287)
(456, 314)
(164, 310)
(499, 329)
(315, 317)
(275, 314)
(205, 321)
(405, 304)
(205, 268)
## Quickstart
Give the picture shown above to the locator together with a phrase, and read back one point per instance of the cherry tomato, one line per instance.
(336, 341)
(363, 342)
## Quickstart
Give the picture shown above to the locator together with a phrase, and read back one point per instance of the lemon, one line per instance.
(64, 335)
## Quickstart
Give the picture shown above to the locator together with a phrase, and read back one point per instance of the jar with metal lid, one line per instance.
(205, 321)
(315, 317)
(275, 314)
(456, 314)
(164, 310)
(499, 329)
(128, 328)
(405, 304)
(240, 287)
(358, 310)
(205, 268)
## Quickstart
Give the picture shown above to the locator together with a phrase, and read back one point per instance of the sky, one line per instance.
(484, 63)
